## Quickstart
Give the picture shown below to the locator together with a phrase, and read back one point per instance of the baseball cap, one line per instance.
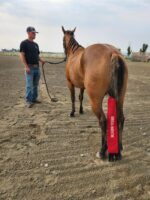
(31, 29)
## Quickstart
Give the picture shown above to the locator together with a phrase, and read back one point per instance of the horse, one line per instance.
(101, 70)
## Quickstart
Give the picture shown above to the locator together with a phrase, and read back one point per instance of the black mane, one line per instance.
(73, 44)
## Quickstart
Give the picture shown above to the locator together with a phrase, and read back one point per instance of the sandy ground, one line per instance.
(45, 155)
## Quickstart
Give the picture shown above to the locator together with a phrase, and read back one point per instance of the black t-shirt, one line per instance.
(31, 50)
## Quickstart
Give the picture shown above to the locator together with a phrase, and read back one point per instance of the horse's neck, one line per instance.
(73, 46)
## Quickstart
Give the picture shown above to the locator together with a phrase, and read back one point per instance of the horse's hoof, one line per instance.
(81, 112)
(102, 152)
(118, 156)
(112, 157)
(102, 156)
(72, 114)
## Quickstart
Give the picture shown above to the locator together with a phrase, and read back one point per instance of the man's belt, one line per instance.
(33, 65)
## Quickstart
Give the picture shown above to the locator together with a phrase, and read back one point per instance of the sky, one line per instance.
(117, 22)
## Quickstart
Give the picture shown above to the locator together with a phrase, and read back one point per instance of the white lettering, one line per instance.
(112, 123)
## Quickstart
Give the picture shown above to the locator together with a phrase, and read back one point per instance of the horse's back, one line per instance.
(97, 59)
(100, 51)
(97, 62)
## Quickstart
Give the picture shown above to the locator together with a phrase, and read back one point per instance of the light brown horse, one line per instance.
(101, 70)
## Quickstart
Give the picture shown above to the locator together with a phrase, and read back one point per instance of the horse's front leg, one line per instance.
(72, 92)
(81, 100)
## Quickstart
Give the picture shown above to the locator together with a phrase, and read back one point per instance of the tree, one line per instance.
(144, 48)
(129, 51)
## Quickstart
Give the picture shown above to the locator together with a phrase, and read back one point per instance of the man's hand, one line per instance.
(27, 70)
(42, 61)
(23, 59)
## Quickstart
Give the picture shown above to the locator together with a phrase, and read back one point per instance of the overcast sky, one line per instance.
(117, 22)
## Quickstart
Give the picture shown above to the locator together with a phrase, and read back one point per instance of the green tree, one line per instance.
(129, 51)
(144, 48)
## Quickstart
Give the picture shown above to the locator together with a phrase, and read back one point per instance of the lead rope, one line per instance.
(49, 62)
(53, 99)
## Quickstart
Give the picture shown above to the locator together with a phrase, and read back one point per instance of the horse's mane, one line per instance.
(72, 45)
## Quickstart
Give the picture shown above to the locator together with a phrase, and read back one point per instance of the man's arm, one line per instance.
(41, 60)
(23, 59)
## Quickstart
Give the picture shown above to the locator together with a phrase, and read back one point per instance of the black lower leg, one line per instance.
(103, 151)
(73, 102)
(120, 128)
(81, 100)
(103, 124)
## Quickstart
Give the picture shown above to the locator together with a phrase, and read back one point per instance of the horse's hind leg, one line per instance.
(96, 104)
(81, 100)
(120, 128)
(72, 92)
(120, 121)
(103, 125)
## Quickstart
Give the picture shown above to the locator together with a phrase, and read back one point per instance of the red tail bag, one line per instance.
(112, 127)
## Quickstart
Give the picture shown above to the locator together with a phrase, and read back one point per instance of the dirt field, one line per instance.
(45, 155)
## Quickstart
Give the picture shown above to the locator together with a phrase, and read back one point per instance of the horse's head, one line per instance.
(68, 34)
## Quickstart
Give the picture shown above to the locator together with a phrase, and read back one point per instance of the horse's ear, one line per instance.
(74, 30)
(63, 30)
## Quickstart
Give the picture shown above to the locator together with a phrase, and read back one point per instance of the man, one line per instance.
(29, 54)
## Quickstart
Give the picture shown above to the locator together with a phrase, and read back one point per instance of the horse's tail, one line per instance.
(117, 76)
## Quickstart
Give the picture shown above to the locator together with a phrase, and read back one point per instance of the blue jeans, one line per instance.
(32, 82)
